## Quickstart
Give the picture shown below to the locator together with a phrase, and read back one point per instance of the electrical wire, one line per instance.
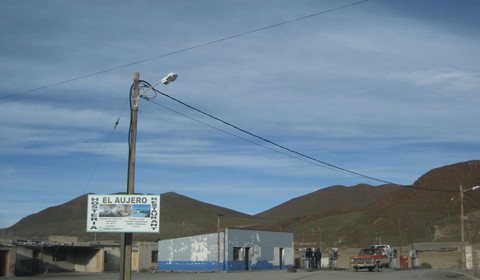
(297, 155)
(68, 224)
(472, 197)
(284, 153)
(182, 50)
(236, 136)
(302, 155)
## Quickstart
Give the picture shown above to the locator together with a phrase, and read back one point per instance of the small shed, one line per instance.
(231, 250)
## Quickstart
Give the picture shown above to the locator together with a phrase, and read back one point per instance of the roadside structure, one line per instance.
(231, 250)
(66, 254)
(8, 252)
(34, 257)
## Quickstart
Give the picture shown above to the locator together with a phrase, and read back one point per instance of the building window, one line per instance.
(154, 257)
(236, 253)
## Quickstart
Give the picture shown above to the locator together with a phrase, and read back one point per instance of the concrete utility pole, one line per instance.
(462, 230)
(127, 237)
(462, 226)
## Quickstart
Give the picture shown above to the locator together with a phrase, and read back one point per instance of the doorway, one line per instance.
(36, 261)
(247, 258)
(280, 258)
(3, 263)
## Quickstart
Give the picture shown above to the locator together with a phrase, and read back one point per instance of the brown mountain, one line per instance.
(180, 216)
(364, 214)
(335, 199)
(333, 216)
(183, 216)
(419, 211)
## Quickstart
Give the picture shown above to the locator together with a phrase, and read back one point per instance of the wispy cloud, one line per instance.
(451, 80)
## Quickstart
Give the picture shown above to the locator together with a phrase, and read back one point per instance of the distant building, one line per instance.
(66, 254)
(234, 249)
(8, 252)
(34, 257)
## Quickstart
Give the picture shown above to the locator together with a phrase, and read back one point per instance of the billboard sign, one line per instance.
(123, 213)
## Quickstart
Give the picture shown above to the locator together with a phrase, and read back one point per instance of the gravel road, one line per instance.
(424, 274)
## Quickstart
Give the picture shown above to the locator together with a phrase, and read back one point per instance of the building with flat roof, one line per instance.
(231, 250)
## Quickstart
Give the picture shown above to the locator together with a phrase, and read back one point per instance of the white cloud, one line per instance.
(448, 79)
(49, 115)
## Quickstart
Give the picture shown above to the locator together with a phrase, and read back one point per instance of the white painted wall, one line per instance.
(199, 253)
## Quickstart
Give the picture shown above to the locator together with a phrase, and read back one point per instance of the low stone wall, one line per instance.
(437, 259)
(441, 260)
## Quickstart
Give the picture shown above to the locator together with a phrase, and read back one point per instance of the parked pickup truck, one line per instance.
(371, 258)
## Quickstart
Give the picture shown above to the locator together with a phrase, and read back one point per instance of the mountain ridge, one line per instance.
(334, 216)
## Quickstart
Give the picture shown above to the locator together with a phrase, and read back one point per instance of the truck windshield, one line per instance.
(369, 252)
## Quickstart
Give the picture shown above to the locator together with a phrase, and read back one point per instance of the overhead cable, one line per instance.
(182, 50)
(274, 143)
(297, 155)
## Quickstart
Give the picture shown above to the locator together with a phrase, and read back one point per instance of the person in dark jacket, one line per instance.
(309, 257)
(318, 258)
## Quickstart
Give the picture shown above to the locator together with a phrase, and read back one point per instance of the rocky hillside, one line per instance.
(334, 216)
(180, 216)
(428, 210)
(329, 201)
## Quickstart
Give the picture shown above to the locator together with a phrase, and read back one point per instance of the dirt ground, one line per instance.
(324, 274)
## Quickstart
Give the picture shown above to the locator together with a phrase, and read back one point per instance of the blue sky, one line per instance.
(388, 89)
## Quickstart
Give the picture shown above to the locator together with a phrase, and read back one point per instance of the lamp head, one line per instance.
(169, 78)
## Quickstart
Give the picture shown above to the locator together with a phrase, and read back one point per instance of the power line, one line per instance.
(183, 50)
(297, 155)
(68, 224)
(323, 163)
(235, 135)
(472, 197)
(300, 155)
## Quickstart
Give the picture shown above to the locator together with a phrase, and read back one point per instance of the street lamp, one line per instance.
(126, 242)
(462, 223)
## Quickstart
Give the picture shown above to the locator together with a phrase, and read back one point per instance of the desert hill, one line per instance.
(422, 212)
(180, 216)
(335, 199)
(333, 216)
(431, 203)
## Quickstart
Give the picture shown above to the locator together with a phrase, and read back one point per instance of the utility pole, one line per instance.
(127, 237)
(400, 235)
(319, 237)
(462, 229)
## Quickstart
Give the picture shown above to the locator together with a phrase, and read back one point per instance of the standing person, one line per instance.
(332, 258)
(318, 258)
(309, 256)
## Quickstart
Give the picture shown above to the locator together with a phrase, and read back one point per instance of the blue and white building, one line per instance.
(233, 249)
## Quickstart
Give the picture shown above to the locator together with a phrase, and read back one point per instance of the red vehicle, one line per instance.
(371, 258)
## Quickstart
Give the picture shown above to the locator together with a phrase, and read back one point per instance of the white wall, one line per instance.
(195, 253)
(266, 250)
